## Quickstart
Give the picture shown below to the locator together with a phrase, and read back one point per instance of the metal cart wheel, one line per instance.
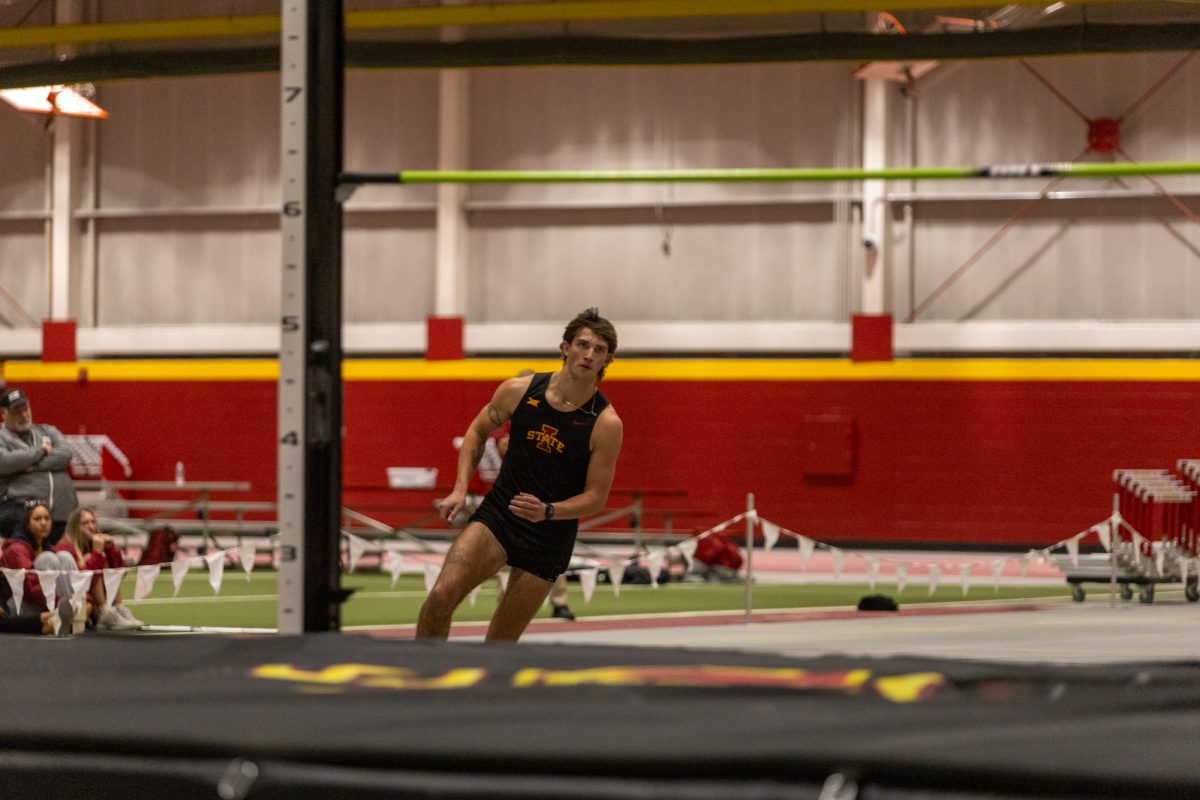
(1126, 591)
(1077, 593)
(1192, 592)
(1146, 593)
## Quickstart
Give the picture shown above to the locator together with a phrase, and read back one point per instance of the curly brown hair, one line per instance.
(590, 318)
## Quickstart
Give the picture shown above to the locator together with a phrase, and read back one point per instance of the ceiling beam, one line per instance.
(474, 14)
(593, 51)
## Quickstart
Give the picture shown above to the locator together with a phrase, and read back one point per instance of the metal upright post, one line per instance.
(1114, 531)
(750, 520)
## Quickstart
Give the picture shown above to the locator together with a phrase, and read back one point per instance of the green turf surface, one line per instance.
(252, 603)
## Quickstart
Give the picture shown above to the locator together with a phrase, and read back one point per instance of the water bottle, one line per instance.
(179, 473)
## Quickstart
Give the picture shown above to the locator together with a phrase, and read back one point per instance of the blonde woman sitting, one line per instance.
(96, 551)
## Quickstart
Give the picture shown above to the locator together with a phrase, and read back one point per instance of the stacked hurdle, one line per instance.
(1189, 468)
(1161, 507)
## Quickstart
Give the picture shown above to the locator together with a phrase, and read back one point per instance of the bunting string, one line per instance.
(1157, 558)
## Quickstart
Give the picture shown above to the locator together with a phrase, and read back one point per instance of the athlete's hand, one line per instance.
(526, 506)
(450, 505)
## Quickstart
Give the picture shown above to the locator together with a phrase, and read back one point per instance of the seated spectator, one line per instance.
(42, 622)
(96, 551)
(717, 559)
(26, 550)
(34, 463)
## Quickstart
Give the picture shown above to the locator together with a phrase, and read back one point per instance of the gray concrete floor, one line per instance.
(1093, 631)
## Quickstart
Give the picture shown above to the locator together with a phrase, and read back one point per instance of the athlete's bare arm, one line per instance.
(602, 468)
(490, 417)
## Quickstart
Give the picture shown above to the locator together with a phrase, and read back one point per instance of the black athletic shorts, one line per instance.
(541, 548)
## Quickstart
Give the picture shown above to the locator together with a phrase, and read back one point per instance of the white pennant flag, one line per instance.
(112, 584)
(770, 532)
(395, 565)
(179, 569)
(654, 564)
(935, 575)
(431, 576)
(901, 577)
(80, 582)
(48, 580)
(616, 574)
(838, 558)
(146, 576)
(997, 569)
(587, 582)
(473, 595)
(806, 547)
(687, 549)
(216, 570)
(1159, 561)
(1102, 533)
(872, 571)
(246, 555)
(964, 571)
(1137, 546)
(502, 577)
(16, 582)
(1073, 550)
(358, 546)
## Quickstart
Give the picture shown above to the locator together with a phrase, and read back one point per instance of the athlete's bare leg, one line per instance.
(524, 596)
(473, 558)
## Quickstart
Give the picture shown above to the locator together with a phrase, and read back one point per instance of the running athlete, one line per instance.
(561, 459)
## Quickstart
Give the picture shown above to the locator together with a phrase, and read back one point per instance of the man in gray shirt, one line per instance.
(33, 465)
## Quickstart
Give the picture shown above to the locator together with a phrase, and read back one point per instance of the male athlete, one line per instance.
(561, 458)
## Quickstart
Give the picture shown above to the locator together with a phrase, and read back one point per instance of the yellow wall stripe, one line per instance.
(750, 369)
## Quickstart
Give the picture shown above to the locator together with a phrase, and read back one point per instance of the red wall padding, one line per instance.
(971, 462)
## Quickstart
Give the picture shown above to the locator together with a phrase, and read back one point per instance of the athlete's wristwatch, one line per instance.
(549, 510)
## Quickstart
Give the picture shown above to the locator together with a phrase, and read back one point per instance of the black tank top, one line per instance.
(548, 450)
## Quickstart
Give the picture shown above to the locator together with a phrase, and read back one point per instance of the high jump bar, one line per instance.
(1047, 170)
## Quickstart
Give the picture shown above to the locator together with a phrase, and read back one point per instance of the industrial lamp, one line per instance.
(57, 100)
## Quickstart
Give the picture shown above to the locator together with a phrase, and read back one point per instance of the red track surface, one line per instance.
(699, 620)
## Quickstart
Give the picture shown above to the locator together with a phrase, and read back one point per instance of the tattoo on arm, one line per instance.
(494, 415)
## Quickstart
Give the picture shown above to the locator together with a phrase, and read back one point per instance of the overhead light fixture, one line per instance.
(58, 100)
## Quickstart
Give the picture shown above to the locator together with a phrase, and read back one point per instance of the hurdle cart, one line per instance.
(1152, 536)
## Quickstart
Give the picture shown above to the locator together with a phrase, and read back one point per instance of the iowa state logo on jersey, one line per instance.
(547, 439)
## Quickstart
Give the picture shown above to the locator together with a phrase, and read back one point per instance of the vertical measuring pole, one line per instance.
(310, 384)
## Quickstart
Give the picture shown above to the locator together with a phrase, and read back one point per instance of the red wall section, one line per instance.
(959, 462)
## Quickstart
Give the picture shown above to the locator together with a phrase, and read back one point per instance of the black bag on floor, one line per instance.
(877, 602)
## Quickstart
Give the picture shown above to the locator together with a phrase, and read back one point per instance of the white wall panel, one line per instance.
(725, 263)
(23, 271)
(1074, 260)
(187, 271)
(1070, 259)
(388, 268)
(775, 264)
(24, 147)
(190, 142)
(661, 118)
